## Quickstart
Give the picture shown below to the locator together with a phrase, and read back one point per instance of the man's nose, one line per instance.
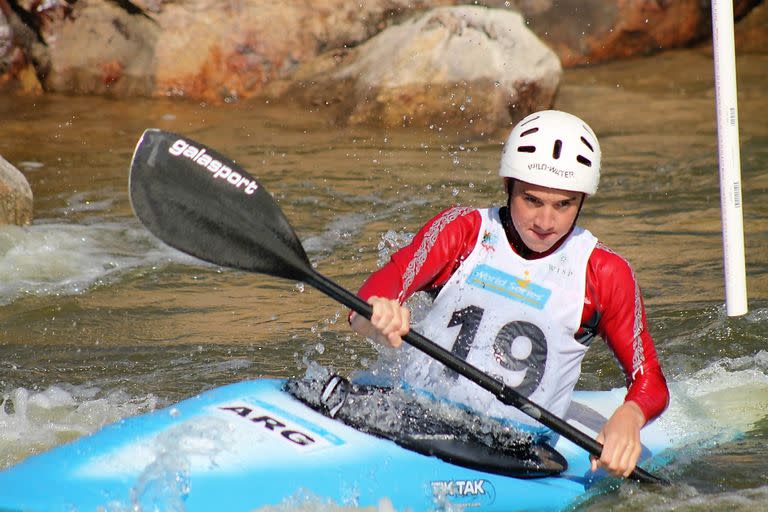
(545, 220)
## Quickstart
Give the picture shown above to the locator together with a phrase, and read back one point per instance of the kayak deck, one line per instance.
(249, 445)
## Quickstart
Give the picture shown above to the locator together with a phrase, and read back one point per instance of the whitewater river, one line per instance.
(101, 321)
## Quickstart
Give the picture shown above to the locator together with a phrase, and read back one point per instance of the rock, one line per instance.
(21, 53)
(100, 48)
(218, 52)
(592, 31)
(469, 69)
(213, 50)
(6, 36)
(585, 32)
(15, 196)
(752, 32)
(6, 48)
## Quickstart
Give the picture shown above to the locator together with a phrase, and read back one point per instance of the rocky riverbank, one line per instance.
(430, 55)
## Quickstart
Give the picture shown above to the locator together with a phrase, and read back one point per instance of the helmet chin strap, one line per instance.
(514, 238)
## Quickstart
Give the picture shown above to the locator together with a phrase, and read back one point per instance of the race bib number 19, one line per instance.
(519, 348)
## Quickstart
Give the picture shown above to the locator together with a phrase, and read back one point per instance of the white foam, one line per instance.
(31, 165)
(67, 259)
(720, 402)
(339, 229)
(743, 499)
(306, 501)
(34, 421)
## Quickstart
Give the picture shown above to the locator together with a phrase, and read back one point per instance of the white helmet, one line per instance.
(553, 149)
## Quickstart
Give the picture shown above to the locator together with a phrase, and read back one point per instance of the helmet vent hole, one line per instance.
(584, 161)
(556, 150)
(526, 149)
(528, 132)
(586, 143)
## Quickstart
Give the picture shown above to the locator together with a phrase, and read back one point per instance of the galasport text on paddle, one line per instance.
(202, 203)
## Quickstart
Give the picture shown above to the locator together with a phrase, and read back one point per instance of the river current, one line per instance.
(101, 321)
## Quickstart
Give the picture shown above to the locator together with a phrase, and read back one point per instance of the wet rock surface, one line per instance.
(15, 196)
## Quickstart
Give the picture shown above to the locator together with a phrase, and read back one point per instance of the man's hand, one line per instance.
(389, 323)
(621, 441)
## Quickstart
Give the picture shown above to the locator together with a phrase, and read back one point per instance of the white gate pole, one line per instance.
(729, 159)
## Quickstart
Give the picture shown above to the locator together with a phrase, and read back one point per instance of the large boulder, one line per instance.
(752, 32)
(591, 31)
(469, 69)
(229, 50)
(97, 47)
(15, 196)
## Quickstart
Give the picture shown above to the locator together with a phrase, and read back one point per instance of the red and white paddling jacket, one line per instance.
(528, 322)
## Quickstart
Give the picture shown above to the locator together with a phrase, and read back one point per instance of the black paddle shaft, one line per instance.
(200, 202)
(504, 393)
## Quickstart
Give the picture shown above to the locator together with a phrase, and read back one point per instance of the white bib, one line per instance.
(512, 318)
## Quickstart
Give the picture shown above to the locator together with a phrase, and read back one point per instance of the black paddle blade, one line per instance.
(200, 202)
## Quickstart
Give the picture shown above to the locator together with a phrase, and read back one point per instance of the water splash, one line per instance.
(340, 230)
(717, 420)
(721, 401)
(35, 421)
(390, 242)
(67, 259)
(679, 498)
(306, 501)
(399, 413)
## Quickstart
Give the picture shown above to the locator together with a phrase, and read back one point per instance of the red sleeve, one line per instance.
(430, 259)
(614, 299)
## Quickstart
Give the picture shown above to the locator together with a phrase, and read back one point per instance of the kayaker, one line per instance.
(521, 291)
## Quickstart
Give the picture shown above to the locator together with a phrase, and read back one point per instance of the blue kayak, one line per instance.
(250, 445)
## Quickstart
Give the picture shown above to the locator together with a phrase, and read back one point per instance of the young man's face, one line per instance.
(542, 215)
